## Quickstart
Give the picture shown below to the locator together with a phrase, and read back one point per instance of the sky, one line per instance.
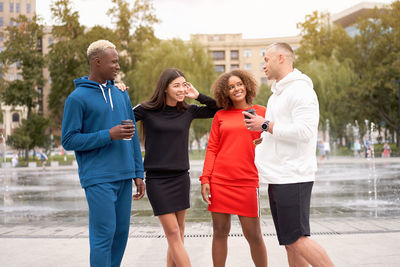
(181, 18)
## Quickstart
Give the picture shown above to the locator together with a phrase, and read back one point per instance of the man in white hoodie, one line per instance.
(286, 155)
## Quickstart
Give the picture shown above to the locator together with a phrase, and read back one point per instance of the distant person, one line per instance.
(327, 149)
(286, 157)
(43, 158)
(14, 160)
(386, 150)
(166, 121)
(108, 153)
(321, 150)
(357, 148)
(367, 148)
(229, 181)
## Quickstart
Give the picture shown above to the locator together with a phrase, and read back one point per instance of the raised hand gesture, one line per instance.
(190, 91)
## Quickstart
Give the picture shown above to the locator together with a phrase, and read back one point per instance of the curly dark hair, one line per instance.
(221, 90)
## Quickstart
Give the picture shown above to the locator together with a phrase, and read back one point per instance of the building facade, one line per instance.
(12, 115)
(231, 51)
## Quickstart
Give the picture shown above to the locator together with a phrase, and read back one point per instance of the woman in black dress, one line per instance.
(166, 120)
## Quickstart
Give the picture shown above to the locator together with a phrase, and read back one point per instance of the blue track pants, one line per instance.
(109, 218)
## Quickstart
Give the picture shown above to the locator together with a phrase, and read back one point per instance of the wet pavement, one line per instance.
(54, 197)
(355, 207)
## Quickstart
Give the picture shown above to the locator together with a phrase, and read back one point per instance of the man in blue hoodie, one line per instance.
(107, 161)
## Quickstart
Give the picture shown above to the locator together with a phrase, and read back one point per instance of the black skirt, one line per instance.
(169, 194)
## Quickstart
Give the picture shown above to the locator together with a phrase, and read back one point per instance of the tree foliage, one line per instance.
(354, 77)
(30, 134)
(377, 63)
(23, 48)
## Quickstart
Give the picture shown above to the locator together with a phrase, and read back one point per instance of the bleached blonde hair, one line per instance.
(98, 47)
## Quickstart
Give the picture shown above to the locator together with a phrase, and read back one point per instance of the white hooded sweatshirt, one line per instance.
(289, 154)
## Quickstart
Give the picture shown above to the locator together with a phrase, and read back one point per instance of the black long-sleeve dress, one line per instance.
(166, 160)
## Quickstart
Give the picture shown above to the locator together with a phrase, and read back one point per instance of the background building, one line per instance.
(9, 9)
(231, 51)
(348, 17)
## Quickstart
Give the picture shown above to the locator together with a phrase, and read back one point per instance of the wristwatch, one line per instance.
(264, 126)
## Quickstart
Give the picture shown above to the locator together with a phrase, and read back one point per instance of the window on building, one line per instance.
(247, 53)
(220, 68)
(15, 117)
(1, 21)
(28, 8)
(40, 100)
(40, 44)
(234, 66)
(1, 7)
(11, 77)
(11, 22)
(18, 63)
(11, 7)
(19, 77)
(218, 55)
(247, 66)
(1, 37)
(50, 41)
(17, 7)
(263, 51)
(234, 54)
(264, 80)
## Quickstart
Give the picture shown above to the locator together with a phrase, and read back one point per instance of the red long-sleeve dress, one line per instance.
(229, 164)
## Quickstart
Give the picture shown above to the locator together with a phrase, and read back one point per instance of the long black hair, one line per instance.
(158, 100)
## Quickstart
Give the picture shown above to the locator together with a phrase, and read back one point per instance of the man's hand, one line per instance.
(254, 123)
(122, 87)
(205, 193)
(122, 132)
(140, 188)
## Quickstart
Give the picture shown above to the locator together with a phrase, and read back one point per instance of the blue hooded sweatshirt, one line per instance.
(90, 111)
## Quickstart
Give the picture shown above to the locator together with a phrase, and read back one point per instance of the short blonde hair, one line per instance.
(98, 47)
(284, 48)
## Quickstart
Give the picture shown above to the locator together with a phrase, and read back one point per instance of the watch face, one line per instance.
(264, 126)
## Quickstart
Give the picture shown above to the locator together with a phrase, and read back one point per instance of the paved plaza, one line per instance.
(349, 241)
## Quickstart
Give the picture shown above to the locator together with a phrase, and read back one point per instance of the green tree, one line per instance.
(24, 48)
(134, 29)
(333, 83)
(30, 134)
(263, 94)
(320, 39)
(67, 59)
(377, 62)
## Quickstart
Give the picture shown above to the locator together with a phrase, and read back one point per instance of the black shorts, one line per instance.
(290, 208)
(167, 195)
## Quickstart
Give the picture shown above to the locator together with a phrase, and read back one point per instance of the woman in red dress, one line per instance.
(230, 179)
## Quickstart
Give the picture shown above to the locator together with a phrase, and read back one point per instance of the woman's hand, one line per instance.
(190, 91)
(257, 141)
(122, 87)
(205, 193)
(140, 188)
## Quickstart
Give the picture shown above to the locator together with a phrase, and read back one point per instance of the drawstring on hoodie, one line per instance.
(109, 95)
